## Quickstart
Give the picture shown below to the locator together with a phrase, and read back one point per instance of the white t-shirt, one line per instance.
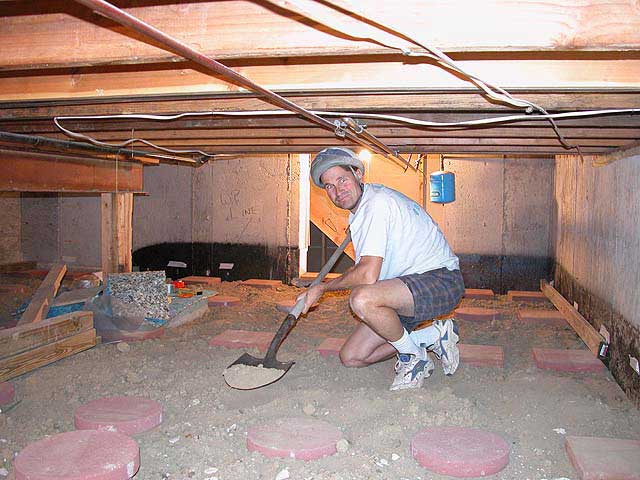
(390, 225)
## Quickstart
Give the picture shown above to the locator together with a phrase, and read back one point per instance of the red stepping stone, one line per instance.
(546, 317)
(200, 280)
(479, 293)
(596, 458)
(330, 347)
(259, 283)
(128, 415)
(567, 360)
(460, 452)
(79, 455)
(474, 314)
(242, 339)
(481, 355)
(7, 393)
(298, 437)
(285, 306)
(525, 296)
(223, 301)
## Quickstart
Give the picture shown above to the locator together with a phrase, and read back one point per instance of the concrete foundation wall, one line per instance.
(242, 211)
(164, 215)
(79, 231)
(10, 226)
(500, 223)
(40, 225)
(596, 244)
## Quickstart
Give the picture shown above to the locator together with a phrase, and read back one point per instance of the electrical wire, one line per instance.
(407, 121)
(493, 92)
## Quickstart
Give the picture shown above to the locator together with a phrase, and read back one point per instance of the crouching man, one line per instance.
(405, 273)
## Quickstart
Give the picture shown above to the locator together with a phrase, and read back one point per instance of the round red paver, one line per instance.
(223, 301)
(285, 306)
(128, 415)
(7, 393)
(79, 455)
(298, 437)
(460, 452)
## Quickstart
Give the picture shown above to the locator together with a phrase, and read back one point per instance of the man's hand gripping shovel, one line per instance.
(267, 370)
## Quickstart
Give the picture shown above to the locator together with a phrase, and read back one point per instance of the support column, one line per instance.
(116, 232)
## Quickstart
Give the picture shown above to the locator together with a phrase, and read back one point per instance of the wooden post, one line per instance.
(116, 233)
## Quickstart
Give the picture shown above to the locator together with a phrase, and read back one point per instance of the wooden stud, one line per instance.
(43, 298)
(582, 327)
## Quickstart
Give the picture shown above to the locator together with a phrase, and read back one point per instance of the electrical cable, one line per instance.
(494, 92)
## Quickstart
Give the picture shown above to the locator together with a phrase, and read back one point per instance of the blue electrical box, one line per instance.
(442, 187)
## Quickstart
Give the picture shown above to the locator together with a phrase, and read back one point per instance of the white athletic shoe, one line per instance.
(445, 348)
(411, 371)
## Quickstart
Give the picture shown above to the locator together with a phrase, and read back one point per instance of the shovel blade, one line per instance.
(258, 363)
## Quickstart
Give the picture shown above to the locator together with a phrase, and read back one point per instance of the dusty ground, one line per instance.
(205, 422)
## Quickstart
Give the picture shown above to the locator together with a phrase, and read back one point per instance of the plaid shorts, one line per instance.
(435, 293)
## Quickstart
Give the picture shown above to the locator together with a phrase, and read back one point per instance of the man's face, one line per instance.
(343, 187)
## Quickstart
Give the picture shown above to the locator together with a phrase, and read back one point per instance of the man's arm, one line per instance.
(365, 272)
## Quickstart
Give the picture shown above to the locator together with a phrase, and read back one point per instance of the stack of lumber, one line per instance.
(36, 340)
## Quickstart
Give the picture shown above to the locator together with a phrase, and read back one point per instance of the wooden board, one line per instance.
(41, 301)
(26, 337)
(582, 327)
(76, 296)
(17, 267)
(39, 172)
(48, 34)
(25, 362)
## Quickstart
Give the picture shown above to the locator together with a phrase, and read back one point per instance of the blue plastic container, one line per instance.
(442, 187)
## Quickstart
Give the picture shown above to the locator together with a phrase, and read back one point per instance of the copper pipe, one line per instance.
(119, 16)
(64, 145)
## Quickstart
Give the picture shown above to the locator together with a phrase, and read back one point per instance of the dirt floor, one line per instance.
(203, 434)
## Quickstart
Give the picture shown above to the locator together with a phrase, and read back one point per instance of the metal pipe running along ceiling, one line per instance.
(119, 16)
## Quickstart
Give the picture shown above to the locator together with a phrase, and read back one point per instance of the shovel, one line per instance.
(269, 369)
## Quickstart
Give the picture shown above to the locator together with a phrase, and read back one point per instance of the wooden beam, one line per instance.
(618, 126)
(580, 325)
(17, 267)
(398, 101)
(397, 142)
(73, 36)
(116, 232)
(43, 298)
(36, 172)
(24, 362)
(379, 73)
(199, 135)
(629, 150)
(26, 337)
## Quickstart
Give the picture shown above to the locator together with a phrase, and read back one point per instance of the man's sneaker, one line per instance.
(445, 348)
(411, 371)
